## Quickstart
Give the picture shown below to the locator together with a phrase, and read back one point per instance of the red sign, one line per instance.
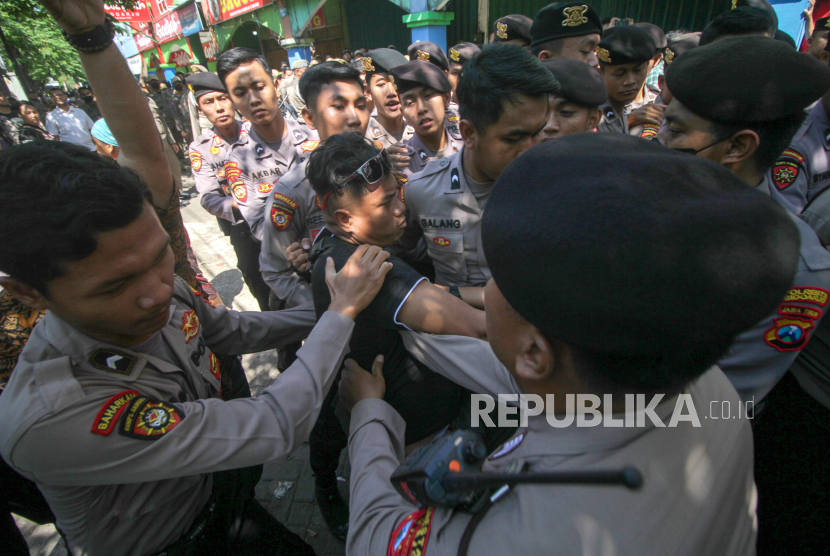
(179, 57)
(141, 13)
(318, 20)
(209, 45)
(142, 36)
(168, 28)
(221, 10)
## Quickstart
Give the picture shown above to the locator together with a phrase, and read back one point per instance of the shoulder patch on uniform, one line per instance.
(411, 536)
(292, 204)
(378, 145)
(239, 191)
(309, 146)
(452, 118)
(784, 173)
(108, 415)
(799, 311)
(376, 132)
(455, 181)
(508, 446)
(190, 325)
(789, 333)
(147, 419)
(195, 160)
(214, 366)
(281, 216)
(649, 131)
(794, 155)
(113, 361)
(232, 171)
(817, 296)
(264, 187)
(401, 193)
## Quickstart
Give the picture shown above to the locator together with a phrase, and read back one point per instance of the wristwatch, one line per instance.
(94, 40)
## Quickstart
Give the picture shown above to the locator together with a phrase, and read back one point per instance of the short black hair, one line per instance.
(55, 200)
(338, 158)
(553, 46)
(774, 136)
(313, 80)
(745, 20)
(25, 103)
(235, 57)
(499, 73)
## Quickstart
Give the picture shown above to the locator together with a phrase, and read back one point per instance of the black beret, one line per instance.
(382, 60)
(564, 19)
(785, 38)
(428, 52)
(822, 24)
(626, 247)
(461, 53)
(746, 79)
(204, 83)
(761, 5)
(512, 27)
(578, 82)
(625, 44)
(416, 73)
(680, 45)
(656, 34)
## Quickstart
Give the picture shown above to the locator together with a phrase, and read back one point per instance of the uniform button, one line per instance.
(444, 162)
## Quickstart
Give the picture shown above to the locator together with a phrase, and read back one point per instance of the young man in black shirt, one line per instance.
(358, 195)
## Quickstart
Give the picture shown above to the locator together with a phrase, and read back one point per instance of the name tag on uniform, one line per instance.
(440, 223)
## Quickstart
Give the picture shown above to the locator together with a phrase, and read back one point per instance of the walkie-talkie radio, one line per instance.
(447, 474)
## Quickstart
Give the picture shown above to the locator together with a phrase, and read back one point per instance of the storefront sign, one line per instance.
(209, 45)
(142, 36)
(178, 56)
(221, 10)
(168, 28)
(190, 20)
(140, 13)
(134, 63)
(318, 20)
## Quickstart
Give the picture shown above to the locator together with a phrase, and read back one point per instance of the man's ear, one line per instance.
(469, 134)
(824, 57)
(742, 146)
(25, 294)
(343, 219)
(308, 117)
(447, 98)
(544, 55)
(594, 119)
(367, 91)
(536, 358)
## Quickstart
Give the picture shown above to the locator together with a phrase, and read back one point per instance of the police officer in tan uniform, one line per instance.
(208, 155)
(387, 125)
(458, 56)
(575, 108)
(425, 92)
(538, 328)
(427, 51)
(273, 146)
(445, 201)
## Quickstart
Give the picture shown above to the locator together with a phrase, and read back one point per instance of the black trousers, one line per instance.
(247, 249)
(792, 447)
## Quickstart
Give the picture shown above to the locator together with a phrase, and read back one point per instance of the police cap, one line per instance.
(746, 79)
(381, 60)
(562, 20)
(428, 52)
(578, 82)
(512, 27)
(822, 24)
(416, 73)
(556, 213)
(625, 44)
(461, 53)
(761, 5)
(680, 45)
(204, 83)
(656, 34)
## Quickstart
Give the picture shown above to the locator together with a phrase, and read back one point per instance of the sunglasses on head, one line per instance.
(372, 171)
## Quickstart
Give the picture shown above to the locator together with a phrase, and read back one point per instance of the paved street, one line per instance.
(287, 486)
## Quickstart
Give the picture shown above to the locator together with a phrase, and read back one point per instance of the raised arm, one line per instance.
(120, 99)
(431, 309)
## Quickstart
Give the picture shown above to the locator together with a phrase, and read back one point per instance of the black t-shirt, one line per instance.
(425, 400)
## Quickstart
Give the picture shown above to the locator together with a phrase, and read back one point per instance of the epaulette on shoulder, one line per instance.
(430, 169)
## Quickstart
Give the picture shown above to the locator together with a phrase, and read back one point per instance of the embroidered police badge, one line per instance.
(501, 30)
(190, 325)
(604, 55)
(113, 361)
(108, 415)
(455, 55)
(264, 187)
(367, 64)
(147, 419)
(455, 181)
(195, 160)
(240, 191)
(575, 15)
(423, 56)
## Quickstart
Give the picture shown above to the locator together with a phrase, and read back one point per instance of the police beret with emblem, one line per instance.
(562, 20)
(746, 79)
(680, 45)
(822, 24)
(785, 38)
(204, 83)
(512, 27)
(578, 82)
(428, 52)
(558, 212)
(381, 60)
(625, 45)
(416, 73)
(656, 34)
(461, 53)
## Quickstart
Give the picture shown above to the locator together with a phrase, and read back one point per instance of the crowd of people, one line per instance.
(585, 207)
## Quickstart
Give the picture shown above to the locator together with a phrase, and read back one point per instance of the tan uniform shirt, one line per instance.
(648, 131)
(122, 443)
(442, 209)
(611, 121)
(292, 214)
(423, 155)
(698, 495)
(254, 167)
(380, 136)
(208, 155)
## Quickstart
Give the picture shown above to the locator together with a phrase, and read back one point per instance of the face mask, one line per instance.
(155, 86)
(88, 98)
(178, 86)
